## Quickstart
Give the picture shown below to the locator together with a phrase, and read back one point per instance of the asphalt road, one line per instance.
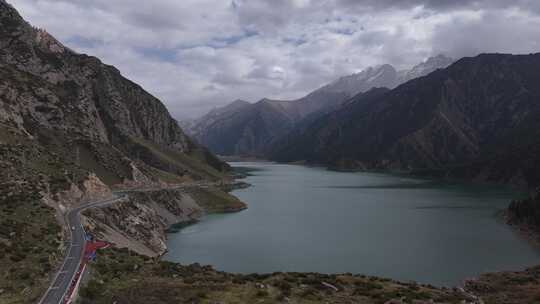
(75, 252)
(75, 245)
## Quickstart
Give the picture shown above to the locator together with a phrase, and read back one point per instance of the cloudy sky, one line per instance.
(198, 54)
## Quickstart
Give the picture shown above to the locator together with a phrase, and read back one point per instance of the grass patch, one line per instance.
(171, 160)
(164, 176)
(214, 200)
(521, 287)
(30, 242)
(30, 237)
(87, 160)
(242, 172)
(124, 277)
(179, 226)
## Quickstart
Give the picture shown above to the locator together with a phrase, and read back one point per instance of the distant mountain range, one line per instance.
(241, 128)
(479, 118)
(476, 118)
(197, 126)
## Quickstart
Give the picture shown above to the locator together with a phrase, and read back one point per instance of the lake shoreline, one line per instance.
(523, 215)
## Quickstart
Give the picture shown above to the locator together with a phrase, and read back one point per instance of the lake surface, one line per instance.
(313, 220)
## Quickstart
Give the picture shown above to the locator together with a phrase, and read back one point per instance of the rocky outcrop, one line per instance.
(141, 221)
(91, 189)
(477, 119)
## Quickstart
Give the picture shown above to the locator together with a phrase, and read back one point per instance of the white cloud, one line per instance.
(197, 54)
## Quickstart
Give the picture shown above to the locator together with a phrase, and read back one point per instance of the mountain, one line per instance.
(72, 130)
(247, 131)
(244, 129)
(196, 126)
(478, 118)
(430, 65)
(87, 113)
(373, 77)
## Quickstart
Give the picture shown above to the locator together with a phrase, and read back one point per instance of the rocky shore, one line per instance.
(507, 287)
(524, 215)
(123, 277)
(142, 221)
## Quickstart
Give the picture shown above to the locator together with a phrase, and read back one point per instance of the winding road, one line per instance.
(59, 287)
(75, 250)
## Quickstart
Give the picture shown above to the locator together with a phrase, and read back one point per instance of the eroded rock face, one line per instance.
(140, 222)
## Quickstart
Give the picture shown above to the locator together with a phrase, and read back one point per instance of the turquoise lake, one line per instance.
(309, 219)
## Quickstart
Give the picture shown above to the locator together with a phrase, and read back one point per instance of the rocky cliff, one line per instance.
(87, 112)
(478, 118)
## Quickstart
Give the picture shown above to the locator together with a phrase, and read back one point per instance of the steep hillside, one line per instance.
(479, 118)
(197, 126)
(71, 128)
(239, 129)
(306, 138)
(87, 112)
(248, 131)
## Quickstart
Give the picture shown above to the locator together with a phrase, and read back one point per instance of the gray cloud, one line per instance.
(504, 32)
(441, 5)
(197, 54)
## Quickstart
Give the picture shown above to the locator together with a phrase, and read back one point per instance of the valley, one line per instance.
(413, 179)
(245, 129)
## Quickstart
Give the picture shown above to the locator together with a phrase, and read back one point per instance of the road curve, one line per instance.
(75, 245)
(74, 252)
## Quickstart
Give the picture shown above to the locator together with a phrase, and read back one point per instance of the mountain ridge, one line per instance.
(290, 114)
(477, 111)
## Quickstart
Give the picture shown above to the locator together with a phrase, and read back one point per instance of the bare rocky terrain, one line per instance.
(141, 222)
